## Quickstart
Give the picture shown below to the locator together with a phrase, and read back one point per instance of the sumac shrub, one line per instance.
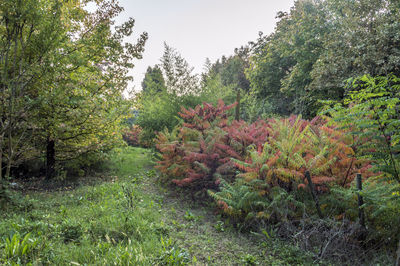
(132, 135)
(295, 146)
(197, 153)
(291, 147)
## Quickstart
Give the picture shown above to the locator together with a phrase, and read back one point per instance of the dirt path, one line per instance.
(200, 231)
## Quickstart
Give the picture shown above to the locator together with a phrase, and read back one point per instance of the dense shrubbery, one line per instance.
(198, 152)
(278, 151)
(371, 114)
(257, 171)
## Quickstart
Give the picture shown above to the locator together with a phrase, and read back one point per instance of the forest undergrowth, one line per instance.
(124, 217)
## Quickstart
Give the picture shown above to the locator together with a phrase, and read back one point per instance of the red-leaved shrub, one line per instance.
(207, 147)
(132, 135)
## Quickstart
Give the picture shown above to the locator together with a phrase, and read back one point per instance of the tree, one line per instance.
(159, 105)
(282, 62)
(318, 45)
(29, 32)
(75, 89)
(84, 108)
(230, 73)
(179, 77)
(153, 81)
(364, 40)
(372, 111)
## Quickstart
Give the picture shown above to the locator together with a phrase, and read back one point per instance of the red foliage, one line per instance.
(202, 150)
(242, 135)
(173, 153)
(202, 117)
(132, 135)
(207, 147)
(209, 155)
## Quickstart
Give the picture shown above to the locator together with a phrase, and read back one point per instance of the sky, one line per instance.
(198, 29)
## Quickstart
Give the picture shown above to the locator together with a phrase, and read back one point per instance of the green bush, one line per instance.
(381, 207)
(244, 202)
(159, 111)
(371, 111)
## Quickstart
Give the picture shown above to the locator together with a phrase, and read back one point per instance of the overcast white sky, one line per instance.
(198, 28)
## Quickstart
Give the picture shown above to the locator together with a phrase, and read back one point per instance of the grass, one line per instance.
(127, 218)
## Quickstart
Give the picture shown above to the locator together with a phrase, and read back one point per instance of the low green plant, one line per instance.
(249, 259)
(189, 216)
(245, 201)
(129, 192)
(173, 255)
(71, 231)
(19, 248)
(219, 226)
(381, 207)
(240, 200)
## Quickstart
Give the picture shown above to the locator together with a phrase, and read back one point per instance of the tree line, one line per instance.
(309, 58)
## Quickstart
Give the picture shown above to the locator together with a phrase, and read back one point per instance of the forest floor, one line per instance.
(127, 217)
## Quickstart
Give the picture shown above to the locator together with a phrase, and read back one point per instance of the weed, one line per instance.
(18, 248)
(71, 232)
(172, 255)
(130, 196)
(189, 216)
(219, 226)
(249, 259)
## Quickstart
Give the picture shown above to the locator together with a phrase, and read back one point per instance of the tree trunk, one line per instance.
(50, 158)
(10, 152)
(361, 214)
(237, 110)
(398, 255)
(1, 157)
(1, 166)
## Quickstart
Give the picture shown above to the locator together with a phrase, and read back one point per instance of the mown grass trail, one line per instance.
(126, 217)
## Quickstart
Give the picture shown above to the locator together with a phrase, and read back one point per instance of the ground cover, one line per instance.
(124, 216)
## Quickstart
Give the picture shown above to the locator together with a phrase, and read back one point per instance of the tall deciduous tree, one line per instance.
(282, 62)
(29, 31)
(75, 89)
(318, 45)
(364, 40)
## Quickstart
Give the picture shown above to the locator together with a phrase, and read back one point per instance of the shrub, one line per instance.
(242, 135)
(371, 112)
(245, 202)
(240, 200)
(172, 163)
(207, 147)
(132, 135)
(197, 153)
(159, 111)
(381, 208)
(295, 146)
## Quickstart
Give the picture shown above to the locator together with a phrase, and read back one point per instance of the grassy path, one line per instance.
(126, 218)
